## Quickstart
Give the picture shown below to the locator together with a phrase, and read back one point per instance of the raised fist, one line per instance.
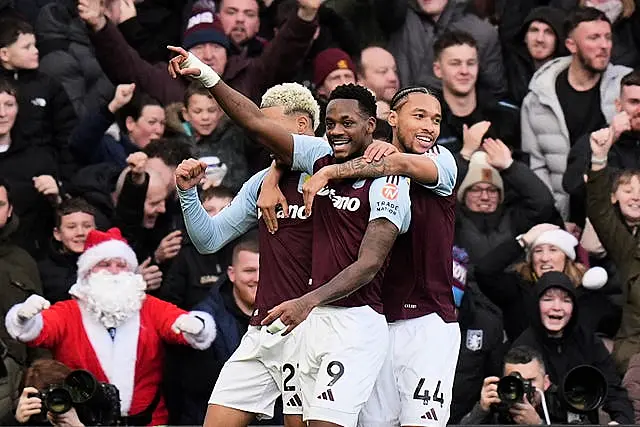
(31, 307)
(136, 163)
(187, 324)
(189, 173)
(122, 97)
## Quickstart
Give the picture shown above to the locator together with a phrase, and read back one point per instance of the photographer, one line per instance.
(40, 375)
(564, 345)
(489, 410)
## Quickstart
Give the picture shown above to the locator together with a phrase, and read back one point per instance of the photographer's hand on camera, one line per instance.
(28, 406)
(68, 419)
(525, 413)
(489, 393)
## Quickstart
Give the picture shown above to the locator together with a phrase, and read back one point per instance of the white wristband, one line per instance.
(207, 77)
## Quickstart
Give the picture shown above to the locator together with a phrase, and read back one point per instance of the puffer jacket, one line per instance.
(624, 249)
(412, 35)
(66, 54)
(545, 135)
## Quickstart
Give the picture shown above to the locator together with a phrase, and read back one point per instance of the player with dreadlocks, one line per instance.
(356, 224)
(415, 384)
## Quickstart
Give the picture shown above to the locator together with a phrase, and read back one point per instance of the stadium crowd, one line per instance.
(540, 110)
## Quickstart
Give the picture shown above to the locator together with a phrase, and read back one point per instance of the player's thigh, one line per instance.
(222, 416)
(294, 421)
(425, 356)
(383, 407)
(245, 383)
(349, 365)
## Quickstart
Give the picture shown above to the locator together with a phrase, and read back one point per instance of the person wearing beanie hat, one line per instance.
(205, 36)
(482, 188)
(556, 331)
(112, 328)
(331, 68)
(546, 248)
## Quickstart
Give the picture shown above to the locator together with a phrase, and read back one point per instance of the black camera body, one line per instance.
(96, 403)
(513, 388)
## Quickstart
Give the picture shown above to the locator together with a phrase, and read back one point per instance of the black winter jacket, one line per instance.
(58, 272)
(45, 116)
(576, 347)
(482, 348)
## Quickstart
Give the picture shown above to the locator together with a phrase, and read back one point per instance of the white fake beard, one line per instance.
(112, 298)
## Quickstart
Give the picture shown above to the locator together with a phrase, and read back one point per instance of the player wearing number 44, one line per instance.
(355, 228)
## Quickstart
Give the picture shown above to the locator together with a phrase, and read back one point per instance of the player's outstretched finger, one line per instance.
(308, 201)
(270, 219)
(179, 50)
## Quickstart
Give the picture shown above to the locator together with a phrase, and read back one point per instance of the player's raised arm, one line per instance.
(237, 106)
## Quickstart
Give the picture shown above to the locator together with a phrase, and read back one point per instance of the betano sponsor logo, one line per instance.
(295, 212)
(350, 204)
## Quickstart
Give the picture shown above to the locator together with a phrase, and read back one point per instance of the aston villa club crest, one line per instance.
(474, 339)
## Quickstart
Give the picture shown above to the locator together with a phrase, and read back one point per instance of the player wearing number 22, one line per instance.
(415, 384)
(264, 365)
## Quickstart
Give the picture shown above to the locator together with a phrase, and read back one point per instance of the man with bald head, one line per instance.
(377, 70)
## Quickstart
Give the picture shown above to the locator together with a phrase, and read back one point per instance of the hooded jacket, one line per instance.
(519, 65)
(545, 135)
(66, 54)
(58, 272)
(413, 35)
(575, 347)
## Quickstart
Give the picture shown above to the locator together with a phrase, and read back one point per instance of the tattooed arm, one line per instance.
(376, 244)
(421, 168)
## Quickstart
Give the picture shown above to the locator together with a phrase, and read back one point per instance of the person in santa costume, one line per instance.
(112, 328)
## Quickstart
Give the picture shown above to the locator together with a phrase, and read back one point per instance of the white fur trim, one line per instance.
(563, 240)
(106, 250)
(202, 340)
(24, 331)
(117, 357)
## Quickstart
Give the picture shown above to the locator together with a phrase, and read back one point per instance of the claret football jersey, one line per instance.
(341, 213)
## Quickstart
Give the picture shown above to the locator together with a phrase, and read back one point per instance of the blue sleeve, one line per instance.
(306, 150)
(447, 171)
(389, 198)
(210, 234)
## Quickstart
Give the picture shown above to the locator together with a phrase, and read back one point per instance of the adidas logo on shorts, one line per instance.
(431, 415)
(326, 395)
(294, 402)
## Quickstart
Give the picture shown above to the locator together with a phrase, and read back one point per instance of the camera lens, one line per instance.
(58, 400)
(510, 389)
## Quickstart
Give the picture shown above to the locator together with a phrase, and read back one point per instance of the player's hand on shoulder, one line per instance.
(377, 150)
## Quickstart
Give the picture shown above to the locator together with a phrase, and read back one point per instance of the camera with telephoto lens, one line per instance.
(513, 388)
(578, 397)
(95, 402)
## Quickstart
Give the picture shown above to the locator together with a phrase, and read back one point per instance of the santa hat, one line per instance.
(204, 27)
(480, 171)
(330, 60)
(559, 238)
(102, 245)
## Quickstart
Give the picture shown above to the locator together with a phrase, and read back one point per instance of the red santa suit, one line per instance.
(132, 360)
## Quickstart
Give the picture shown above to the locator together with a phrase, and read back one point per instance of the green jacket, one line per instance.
(624, 249)
(19, 278)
